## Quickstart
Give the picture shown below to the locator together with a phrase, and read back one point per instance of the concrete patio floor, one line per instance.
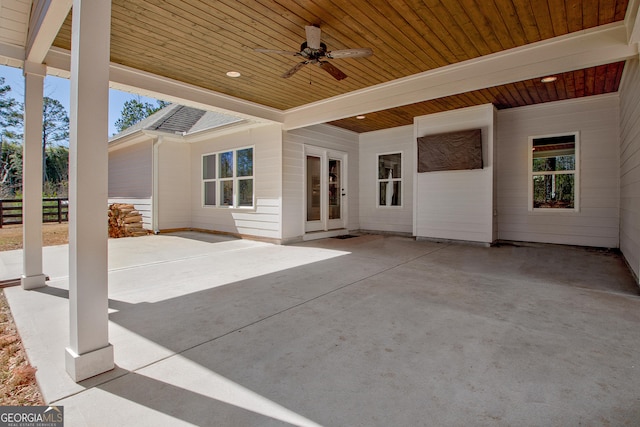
(367, 331)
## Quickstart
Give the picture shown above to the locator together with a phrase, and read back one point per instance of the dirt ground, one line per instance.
(52, 234)
(18, 385)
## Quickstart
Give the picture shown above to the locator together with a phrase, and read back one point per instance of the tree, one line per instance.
(10, 114)
(135, 110)
(55, 128)
(10, 151)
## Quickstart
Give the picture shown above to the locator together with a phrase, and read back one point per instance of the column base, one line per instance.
(33, 282)
(87, 365)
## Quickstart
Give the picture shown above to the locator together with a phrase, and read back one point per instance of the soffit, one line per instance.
(197, 42)
(573, 84)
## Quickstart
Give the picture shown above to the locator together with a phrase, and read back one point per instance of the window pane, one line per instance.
(209, 167)
(390, 166)
(558, 163)
(245, 192)
(556, 153)
(390, 193)
(210, 193)
(226, 164)
(245, 162)
(226, 193)
(553, 191)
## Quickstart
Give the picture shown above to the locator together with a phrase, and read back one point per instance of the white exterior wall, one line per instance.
(386, 218)
(596, 223)
(456, 205)
(130, 178)
(130, 170)
(323, 136)
(263, 220)
(174, 183)
(630, 165)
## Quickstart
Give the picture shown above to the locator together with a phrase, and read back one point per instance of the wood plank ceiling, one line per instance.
(198, 41)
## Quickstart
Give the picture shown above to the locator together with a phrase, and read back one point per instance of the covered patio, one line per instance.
(363, 331)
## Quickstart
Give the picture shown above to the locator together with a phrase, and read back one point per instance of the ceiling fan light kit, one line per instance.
(315, 52)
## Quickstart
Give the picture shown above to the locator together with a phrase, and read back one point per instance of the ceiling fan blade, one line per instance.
(331, 69)
(295, 69)
(349, 53)
(313, 36)
(279, 52)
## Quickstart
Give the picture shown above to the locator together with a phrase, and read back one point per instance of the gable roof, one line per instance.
(176, 119)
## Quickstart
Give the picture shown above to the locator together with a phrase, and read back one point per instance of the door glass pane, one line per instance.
(226, 193)
(335, 189)
(313, 188)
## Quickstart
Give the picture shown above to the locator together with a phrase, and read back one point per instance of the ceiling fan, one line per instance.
(314, 52)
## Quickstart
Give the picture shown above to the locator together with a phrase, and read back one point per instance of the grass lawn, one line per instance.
(52, 234)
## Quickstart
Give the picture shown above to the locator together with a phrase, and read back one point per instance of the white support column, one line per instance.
(89, 352)
(32, 276)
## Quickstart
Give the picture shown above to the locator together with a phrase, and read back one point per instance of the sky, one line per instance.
(58, 88)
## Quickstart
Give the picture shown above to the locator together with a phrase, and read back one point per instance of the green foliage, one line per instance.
(55, 123)
(134, 110)
(55, 130)
(10, 115)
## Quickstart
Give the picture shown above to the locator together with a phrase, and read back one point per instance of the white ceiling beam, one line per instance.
(11, 55)
(143, 83)
(47, 16)
(588, 48)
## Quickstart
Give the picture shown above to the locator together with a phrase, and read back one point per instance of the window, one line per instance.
(227, 178)
(553, 172)
(390, 179)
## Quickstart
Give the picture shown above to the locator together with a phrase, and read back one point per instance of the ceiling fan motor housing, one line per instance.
(313, 54)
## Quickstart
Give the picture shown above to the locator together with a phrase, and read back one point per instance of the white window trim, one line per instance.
(401, 180)
(235, 179)
(576, 172)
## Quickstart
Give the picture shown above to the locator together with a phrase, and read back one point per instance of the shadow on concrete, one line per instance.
(395, 333)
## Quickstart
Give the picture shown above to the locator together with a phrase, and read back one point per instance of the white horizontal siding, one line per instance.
(263, 220)
(174, 185)
(630, 165)
(457, 205)
(596, 120)
(388, 219)
(292, 189)
(130, 171)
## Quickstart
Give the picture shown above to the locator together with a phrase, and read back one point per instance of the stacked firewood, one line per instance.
(125, 221)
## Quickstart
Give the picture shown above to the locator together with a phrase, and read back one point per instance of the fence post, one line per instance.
(1, 216)
(59, 211)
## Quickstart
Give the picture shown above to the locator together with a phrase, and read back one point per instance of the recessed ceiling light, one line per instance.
(360, 117)
(233, 74)
(549, 79)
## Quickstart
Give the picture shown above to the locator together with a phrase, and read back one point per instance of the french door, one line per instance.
(325, 189)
